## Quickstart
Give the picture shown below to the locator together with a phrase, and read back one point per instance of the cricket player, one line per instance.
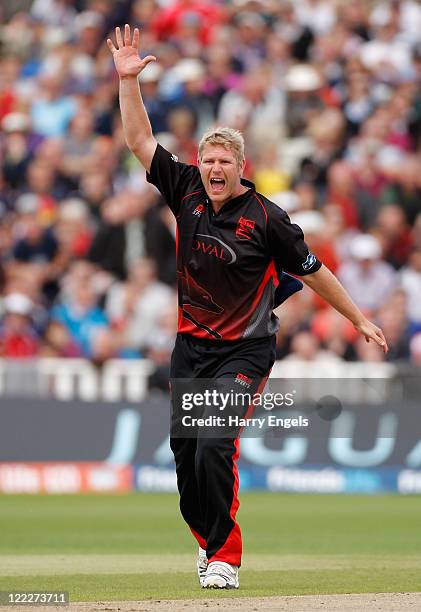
(233, 248)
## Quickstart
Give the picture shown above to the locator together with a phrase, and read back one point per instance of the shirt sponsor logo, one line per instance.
(245, 228)
(309, 262)
(214, 247)
(243, 380)
(198, 211)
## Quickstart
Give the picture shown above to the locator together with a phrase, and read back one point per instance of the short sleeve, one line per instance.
(172, 178)
(287, 245)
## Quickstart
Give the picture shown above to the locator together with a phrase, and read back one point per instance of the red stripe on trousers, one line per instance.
(232, 549)
(201, 541)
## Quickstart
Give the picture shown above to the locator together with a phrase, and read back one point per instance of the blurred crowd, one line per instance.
(328, 96)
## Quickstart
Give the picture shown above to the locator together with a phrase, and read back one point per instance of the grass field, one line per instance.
(136, 546)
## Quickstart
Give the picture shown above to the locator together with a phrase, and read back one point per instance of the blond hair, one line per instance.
(226, 137)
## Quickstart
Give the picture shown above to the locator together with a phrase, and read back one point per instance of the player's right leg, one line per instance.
(183, 443)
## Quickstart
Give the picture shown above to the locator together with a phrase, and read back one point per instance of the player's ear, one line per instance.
(241, 166)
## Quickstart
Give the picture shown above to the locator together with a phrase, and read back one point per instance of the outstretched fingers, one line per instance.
(127, 41)
(136, 38)
(118, 38)
(381, 340)
(372, 332)
(377, 335)
(146, 60)
(111, 45)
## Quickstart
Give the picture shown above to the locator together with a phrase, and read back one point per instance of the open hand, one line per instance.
(126, 54)
(372, 332)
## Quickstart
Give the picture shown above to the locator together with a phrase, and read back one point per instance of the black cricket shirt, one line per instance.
(229, 263)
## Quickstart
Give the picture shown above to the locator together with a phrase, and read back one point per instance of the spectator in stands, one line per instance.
(415, 348)
(405, 192)
(78, 145)
(341, 192)
(182, 127)
(2, 282)
(410, 281)
(299, 37)
(159, 346)
(257, 107)
(95, 186)
(52, 110)
(49, 155)
(78, 309)
(386, 55)
(54, 13)
(135, 306)
(189, 77)
(394, 234)
(369, 179)
(305, 346)
(249, 40)
(365, 353)
(303, 84)
(296, 317)
(18, 338)
(368, 279)
(319, 15)
(393, 317)
(220, 75)
(171, 19)
(10, 65)
(326, 131)
(156, 106)
(89, 30)
(120, 238)
(359, 103)
(269, 177)
(73, 229)
(416, 231)
(36, 247)
(57, 342)
(335, 333)
(18, 147)
(160, 235)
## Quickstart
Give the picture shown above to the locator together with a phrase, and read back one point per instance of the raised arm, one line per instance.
(136, 124)
(325, 284)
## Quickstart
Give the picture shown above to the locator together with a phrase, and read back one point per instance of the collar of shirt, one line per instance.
(234, 201)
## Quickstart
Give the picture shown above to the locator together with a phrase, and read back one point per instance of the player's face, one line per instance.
(221, 173)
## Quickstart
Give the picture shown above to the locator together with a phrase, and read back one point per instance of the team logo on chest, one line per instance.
(199, 210)
(245, 228)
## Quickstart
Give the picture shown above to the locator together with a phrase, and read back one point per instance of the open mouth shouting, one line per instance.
(217, 185)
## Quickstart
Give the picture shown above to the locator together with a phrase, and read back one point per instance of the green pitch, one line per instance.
(136, 546)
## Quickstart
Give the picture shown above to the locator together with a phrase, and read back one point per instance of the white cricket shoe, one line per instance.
(202, 565)
(221, 575)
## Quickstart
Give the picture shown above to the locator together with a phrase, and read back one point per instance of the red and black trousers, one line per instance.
(206, 456)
